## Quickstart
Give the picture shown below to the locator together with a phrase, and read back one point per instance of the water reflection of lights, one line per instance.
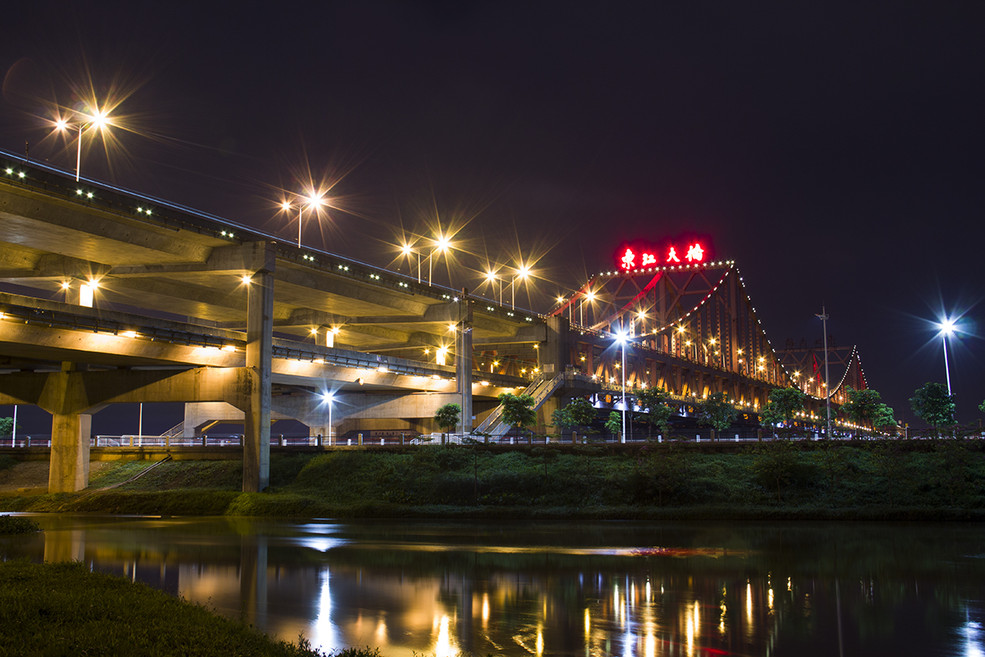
(444, 646)
(689, 634)
(749, 602)
(325, 633)
(485, 609)
(972, 639)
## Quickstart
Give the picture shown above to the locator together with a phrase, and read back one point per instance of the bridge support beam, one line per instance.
(259, 351)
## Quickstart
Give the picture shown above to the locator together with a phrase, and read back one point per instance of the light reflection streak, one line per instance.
(749, 602)
(973, 639)
(325, 634)
(444, 646)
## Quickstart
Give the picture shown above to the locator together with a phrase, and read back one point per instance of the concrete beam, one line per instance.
(240, 258)
(309, 279)
(530, 333)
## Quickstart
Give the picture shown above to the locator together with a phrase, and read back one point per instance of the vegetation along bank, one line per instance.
(887, 479)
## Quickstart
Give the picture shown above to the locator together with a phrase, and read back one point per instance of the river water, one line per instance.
(598, 588)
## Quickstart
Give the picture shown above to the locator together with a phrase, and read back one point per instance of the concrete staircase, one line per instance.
(541, 390)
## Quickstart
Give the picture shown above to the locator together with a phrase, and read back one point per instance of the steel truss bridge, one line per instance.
(108, 296)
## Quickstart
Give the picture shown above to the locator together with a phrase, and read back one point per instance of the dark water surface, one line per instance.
(657, 589)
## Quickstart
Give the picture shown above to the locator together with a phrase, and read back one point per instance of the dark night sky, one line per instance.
(834, 150)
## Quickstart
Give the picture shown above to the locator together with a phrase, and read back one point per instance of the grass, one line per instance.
(878, 479)
(64, 609)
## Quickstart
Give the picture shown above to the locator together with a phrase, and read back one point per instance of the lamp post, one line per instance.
(408, 251)
(313, 199)
(621, 339)
(329, 398)
(99, 119)
(522, 273)
(827, 391)
(946, 326)
(441, 244)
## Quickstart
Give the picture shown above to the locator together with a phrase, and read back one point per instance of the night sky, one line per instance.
(835, 151)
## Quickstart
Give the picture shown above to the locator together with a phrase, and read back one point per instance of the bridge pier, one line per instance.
(463, 362)
(68, 471)
(64, 396)
(259, 351)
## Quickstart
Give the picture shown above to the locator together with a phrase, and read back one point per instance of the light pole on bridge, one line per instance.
(312, 200)
(622, 338)
(827, 390)
(946, 326)
(98, 120)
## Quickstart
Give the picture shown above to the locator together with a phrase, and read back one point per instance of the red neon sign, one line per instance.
(691, 252)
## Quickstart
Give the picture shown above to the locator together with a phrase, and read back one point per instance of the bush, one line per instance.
(12, 525)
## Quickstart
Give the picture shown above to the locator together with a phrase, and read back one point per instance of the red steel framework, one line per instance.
(692, 329)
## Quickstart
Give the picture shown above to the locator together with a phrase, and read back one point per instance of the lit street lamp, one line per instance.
(99, 120)
(946, 326)
(522, 273)
(492, 278)
(407, 250)
(311, 200)
(329, 398)
(441, 244)
(827, 391)
(621, 338)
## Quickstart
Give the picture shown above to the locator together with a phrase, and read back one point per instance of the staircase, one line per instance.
(541, 389)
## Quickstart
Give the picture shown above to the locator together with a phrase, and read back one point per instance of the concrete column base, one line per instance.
(69, 470)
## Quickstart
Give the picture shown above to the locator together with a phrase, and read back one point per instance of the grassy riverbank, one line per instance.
(64, 609)
(857, 480)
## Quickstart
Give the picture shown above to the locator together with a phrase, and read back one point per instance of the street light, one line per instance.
(590, 298)
(522, 273)
(827, 391)
(621, 338)
(491, 278)
(407, 250)
(946, 326)
(313, 199)
(329, 398)
(99, 120)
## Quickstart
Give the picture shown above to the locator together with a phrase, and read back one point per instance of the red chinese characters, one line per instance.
(694, 253)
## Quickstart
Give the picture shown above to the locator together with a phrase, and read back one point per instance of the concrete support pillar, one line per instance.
(554, 358)
(463, 361)
(69, 467)
(64, 396)
(259, 350)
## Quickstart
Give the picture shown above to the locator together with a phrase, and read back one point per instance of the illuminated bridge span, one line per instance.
(107, 297)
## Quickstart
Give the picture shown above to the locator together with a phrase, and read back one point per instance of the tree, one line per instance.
(6, 426)
(659, 410)
(933, 405)
(981, 406)
(578, 413)
(446, 417)
(783, 405)
(862, 406)
(518, 410)
(614, 423)
(716, 412)
(885, 420)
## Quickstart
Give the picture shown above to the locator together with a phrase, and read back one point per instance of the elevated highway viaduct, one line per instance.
(108, 296)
